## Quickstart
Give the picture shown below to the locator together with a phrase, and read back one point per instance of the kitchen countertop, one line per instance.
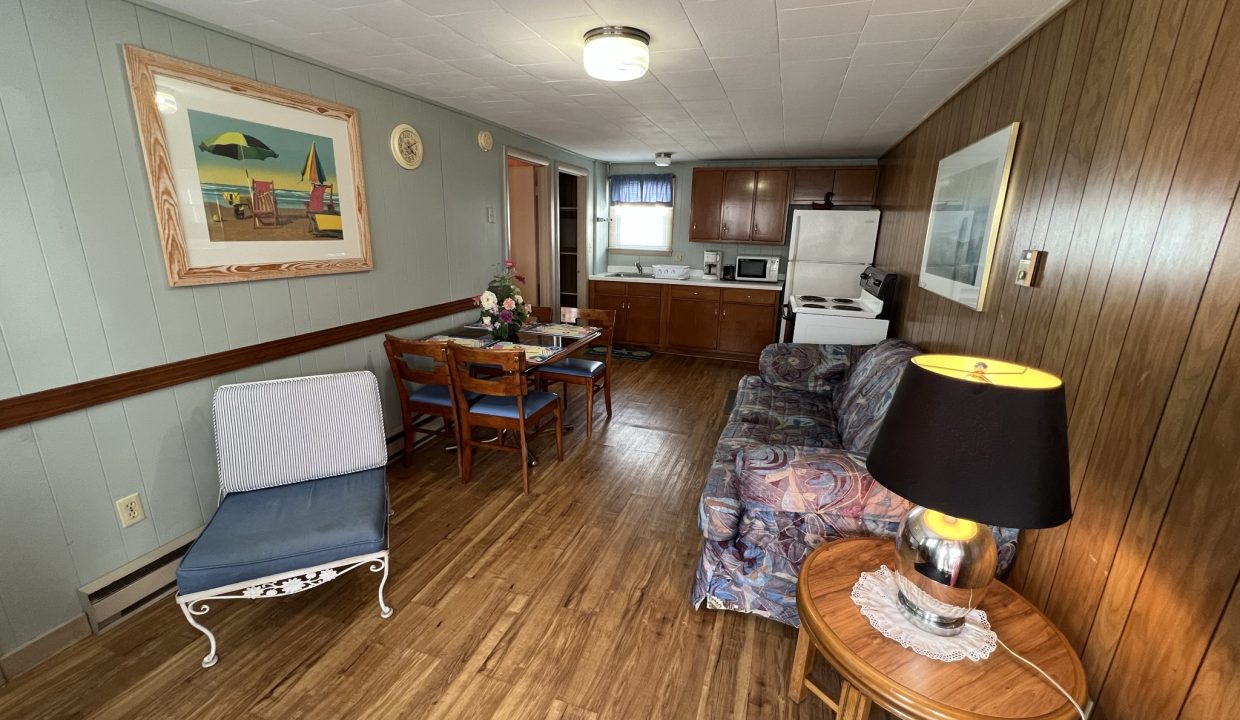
(697, 281)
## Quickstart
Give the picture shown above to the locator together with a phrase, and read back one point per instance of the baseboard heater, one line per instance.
(133, 586)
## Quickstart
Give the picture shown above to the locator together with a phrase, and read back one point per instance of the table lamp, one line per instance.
(972, 442)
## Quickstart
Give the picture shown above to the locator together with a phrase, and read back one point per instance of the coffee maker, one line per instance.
(710, 264)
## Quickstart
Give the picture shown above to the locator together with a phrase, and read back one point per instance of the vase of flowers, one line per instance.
(504, 311)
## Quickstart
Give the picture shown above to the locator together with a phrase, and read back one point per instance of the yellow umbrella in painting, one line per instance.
(312, 171)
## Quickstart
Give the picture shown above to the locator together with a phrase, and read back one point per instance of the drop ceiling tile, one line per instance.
(895, 7)
(824, 47)
(760, 41)
(992, 33)
(360, 41)
(700, 92)
(908, 26)
(944, 77)
(892, 52)
(991, 9)
(824, 20)
(722, 16)
(687, 78)
(534, 10)
(959, 57)
(527, 52)
(489, 27)
(767, 65)
(679, 60)
(394, 19)
(293, 14)
(490, 68)
(436, 8)
(447, 45)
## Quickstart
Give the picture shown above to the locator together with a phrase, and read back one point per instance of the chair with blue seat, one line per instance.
(303, 493)
(593, 375)
(507, 404)
(423, 384)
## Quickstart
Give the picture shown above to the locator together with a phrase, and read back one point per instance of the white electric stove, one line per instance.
(836, 319)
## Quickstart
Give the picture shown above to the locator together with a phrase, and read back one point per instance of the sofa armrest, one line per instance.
(802, 366)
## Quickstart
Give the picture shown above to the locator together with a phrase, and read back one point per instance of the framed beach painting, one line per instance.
(964, 218)
(250, 181)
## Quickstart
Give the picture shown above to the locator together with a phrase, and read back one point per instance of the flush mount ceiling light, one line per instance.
(663, 159)
(617, 53)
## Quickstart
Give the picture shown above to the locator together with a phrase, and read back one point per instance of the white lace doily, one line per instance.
(875, 594)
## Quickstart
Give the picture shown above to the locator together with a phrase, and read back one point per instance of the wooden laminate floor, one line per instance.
(571, 602)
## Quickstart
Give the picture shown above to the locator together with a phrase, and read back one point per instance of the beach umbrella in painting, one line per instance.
(312, 171)
(238, 146)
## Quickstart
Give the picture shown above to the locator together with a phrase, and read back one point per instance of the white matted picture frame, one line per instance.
(250, 181)
(969, 192)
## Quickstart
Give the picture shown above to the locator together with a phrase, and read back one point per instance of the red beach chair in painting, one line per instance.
(263, 204)
(321, 200)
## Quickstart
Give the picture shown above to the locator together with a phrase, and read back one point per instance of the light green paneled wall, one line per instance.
(681, 203)
(83, 292)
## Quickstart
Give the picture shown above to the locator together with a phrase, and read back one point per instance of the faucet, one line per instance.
(639, 267)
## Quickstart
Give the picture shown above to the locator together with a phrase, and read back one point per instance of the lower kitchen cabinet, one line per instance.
(746, 328)
(693, 324)
(642, 320)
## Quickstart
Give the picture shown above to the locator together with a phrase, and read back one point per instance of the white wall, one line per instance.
(83, 292)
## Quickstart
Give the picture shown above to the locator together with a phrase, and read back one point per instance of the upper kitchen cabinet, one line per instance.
(740, 205)
(852, 186)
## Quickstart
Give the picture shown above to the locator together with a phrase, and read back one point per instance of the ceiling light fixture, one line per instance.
(617, 53)
(663, 159)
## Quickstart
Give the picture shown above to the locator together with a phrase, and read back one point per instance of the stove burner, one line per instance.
(813, 298)
(816, 306)
(852, 308)
(844, 301)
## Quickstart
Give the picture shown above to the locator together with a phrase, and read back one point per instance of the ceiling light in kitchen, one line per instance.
(617, 53)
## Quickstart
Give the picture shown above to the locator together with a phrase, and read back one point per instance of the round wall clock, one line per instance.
(485, 141)
(406, 146)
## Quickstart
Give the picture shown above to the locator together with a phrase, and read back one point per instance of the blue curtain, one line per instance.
(656, 189)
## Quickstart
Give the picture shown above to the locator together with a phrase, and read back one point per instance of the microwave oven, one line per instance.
(757, 268)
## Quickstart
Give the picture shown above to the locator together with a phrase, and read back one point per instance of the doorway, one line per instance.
(572, 189)
(529, 233)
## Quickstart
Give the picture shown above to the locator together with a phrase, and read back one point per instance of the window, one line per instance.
(641, 214)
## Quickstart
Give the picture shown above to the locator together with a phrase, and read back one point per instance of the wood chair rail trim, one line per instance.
(48, 403)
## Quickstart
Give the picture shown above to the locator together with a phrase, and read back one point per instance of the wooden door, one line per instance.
(770, 206)
(642, 320)
(736, 219)
(855, 186)
(693, 324)
(747, 328)
(611, 302)
(810, 185)
(706, 205)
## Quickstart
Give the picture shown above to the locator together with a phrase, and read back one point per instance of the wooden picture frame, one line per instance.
(969, 192)
(200, 130)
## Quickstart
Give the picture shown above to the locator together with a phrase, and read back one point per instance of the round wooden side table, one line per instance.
(875, 669)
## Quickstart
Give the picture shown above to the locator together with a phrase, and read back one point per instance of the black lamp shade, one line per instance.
(993, 450)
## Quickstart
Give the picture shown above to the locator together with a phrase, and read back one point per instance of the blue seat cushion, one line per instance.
(507, 406)
(574, 366)
(439, 395)
(288, 527)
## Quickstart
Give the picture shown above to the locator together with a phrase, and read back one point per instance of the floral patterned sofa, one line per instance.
(789, 473)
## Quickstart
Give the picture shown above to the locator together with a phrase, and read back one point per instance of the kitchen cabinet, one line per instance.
(852, 186)
(738, 196)
(638, 309)
(693, 324)
(747, 328)
(770, 206)
(706, 206)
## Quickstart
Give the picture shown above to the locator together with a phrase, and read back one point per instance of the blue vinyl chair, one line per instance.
(591, 375)
(303, 493)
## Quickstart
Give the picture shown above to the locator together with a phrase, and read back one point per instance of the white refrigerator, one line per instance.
(828, 249)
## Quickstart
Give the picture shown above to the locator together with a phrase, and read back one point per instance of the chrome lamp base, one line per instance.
(943, 567)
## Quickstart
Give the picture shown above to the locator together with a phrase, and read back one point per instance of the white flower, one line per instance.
(486, 320)
(488, 300)
(519, 299)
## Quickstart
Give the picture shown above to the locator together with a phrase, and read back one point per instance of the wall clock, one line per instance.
(485, 141)
(406, 146)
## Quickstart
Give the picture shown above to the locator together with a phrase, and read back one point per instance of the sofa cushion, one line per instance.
(805, 367)
(279, 529)
(862, 400)
(761, 403)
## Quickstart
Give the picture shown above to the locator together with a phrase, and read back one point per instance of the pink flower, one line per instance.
(509, 304)
(477, 300)
(509, 264)
(520, 278)
(529, 308)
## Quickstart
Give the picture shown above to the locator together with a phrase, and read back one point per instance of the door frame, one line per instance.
(585, 240)
(548, 241)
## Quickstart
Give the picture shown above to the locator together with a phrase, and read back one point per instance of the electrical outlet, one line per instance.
(130, 510)
(678, 257)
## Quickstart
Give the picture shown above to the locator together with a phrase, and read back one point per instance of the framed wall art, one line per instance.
(250, 181)
(968, 201)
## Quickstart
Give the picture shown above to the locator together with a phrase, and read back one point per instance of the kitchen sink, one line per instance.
(630, 275)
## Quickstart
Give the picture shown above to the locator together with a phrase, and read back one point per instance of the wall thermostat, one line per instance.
(1030, 267)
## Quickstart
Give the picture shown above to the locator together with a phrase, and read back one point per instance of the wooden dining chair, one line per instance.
(505, 403)
(541, 313)
(433, 399)
(590, 374)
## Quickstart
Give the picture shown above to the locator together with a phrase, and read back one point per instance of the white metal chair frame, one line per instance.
(194, 605)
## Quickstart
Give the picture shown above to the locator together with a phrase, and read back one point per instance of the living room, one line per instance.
(281, 275)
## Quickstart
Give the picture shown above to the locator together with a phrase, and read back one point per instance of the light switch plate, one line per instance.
(1030, 267)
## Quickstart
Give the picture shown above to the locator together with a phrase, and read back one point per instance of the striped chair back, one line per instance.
(278, 432)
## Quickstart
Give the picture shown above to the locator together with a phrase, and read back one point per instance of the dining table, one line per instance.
(544, 343)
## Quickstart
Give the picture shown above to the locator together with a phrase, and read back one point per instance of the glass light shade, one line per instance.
(616, 54)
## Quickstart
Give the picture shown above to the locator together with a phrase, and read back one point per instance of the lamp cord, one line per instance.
(1042, 672)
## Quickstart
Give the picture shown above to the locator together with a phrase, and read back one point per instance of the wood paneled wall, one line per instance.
(1126, 173)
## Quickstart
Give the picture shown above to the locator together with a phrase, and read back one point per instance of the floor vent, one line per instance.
(132, 587)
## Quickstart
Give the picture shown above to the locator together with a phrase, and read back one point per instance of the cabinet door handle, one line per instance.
(755, 227)
(725, 313)
(725, 228)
